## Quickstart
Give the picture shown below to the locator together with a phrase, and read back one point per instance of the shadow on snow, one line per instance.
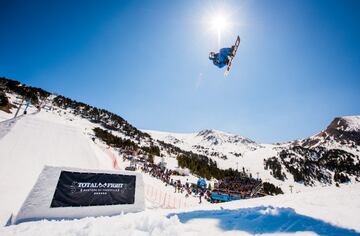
(259, 220)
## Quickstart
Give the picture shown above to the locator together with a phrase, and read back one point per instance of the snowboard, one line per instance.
(236, 46)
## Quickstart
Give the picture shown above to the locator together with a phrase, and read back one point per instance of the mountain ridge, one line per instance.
(316, 159)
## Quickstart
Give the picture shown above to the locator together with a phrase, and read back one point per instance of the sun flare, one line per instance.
(219, 23)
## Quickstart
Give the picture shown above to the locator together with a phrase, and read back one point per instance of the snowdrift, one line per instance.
(49, 199)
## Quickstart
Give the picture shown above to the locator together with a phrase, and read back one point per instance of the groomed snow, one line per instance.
(36, 140)
(326, 211)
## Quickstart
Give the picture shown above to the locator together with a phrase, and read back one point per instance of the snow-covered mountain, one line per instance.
(342, 133)
(62, 133)
(209, 142)
(329, 157)
(318, 159)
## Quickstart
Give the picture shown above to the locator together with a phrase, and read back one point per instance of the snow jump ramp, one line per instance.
(70, 193)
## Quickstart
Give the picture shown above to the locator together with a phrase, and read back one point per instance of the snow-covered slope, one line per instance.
(57, 137)
(61, 135)
(316, 160)
(325, 211)
(34, 141)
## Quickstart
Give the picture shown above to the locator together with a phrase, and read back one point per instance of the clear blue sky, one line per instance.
(298, 65)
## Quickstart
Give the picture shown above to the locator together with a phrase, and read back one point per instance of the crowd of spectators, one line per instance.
(238, 186)
(187, 188)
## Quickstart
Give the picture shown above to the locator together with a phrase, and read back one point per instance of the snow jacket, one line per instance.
(221, 59)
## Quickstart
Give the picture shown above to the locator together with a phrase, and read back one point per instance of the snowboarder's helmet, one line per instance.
(212, 55)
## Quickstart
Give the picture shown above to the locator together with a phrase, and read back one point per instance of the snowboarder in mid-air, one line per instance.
(225, 56)
(222, 58)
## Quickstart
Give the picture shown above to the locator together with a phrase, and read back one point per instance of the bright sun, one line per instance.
(219, 23)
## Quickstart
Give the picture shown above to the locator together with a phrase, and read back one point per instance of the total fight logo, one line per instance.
(93, 189)
(97, 187)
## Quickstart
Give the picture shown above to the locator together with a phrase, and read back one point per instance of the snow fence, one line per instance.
(70, 193)
(164, 199)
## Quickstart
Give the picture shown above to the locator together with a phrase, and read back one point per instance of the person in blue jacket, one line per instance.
(222, 58)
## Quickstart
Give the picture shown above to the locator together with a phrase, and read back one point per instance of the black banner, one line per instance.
(75, 189)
